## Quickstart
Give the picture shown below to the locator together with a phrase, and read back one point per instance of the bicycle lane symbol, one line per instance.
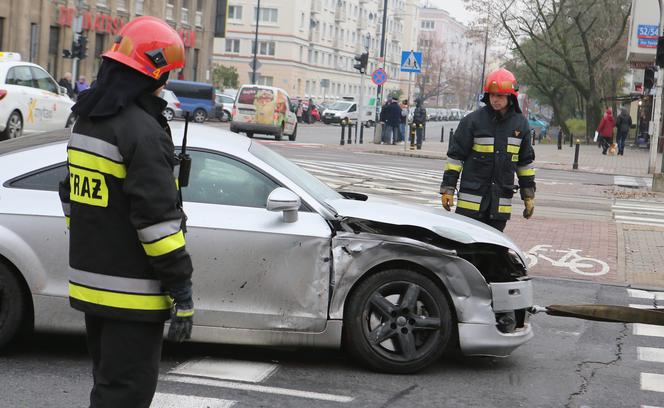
(570, 259)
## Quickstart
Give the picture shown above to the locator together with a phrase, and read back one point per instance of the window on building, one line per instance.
(427, 25)
(2, 30)
(139, 7)
(232, 45)
(53, 48)
(220, 19)
(267, 15)
(235, 12)
(34, 42)
(199, 13)
(265, 47)
(265, 80)
(194, 66)
(170, 6)
(99, 49)
(121, 4)
(102, 3)
(184, 12)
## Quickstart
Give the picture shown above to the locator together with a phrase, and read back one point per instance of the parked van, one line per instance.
(347, 109)
(197, 98)
(264, 110)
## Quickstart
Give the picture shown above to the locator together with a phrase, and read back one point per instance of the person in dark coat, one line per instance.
(65, 82)
(392, 122)
(605, 130)
(623, 124)
(489, 146)
(419, 120)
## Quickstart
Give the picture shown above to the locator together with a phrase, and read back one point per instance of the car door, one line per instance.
(19, 84)
(251, 269)
(51, 109)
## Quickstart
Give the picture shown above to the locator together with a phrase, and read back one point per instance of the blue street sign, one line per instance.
(411, 61)
(379, 76)
(647, 35)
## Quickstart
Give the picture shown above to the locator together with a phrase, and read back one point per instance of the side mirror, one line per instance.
(62, 90)
(282, 199)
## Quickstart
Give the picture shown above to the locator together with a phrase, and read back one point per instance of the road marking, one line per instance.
(257, 388)
(644, 294)
(650, 354)
(641, 306)
(652, 382)
(224, 369)
(649, 213)
(641, 329)
(162, 400)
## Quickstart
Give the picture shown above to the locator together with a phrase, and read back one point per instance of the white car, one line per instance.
(173, 109)
(31, 99)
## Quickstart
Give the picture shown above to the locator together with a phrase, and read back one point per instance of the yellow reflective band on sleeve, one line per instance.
(120, 300)
(165, 245)
(67, 220)
(87, 187)
(185, 313)
(455, 167)
(526, 172)
(100, 164)
(468, 205)
(505, 209)
(513, 149)
(483, 148)
(177, 183)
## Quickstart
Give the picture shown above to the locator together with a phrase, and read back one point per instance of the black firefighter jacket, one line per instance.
(120, 199)
(487, 150)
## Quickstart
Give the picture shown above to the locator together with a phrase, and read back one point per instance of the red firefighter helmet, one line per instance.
(148, 45)
(501, 81)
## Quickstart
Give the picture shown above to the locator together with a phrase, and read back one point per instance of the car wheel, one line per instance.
(168, 114)
(14, 126)
(397, 321)
(200, 115)
(225, 116)
(12, 305)
(250, 134)
(294, 135)
(70, 120)
(280, 133)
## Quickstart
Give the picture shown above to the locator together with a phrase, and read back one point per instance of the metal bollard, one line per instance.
(361, 134)
(532, 133)
(356, 131)
(418, 143)
(571, 139)
(412, 136)
(350, 132)
(343, 131)
(575, 166)
(451, 134)
(442, 134)
(560, 140)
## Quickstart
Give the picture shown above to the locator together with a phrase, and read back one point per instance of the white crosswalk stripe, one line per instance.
(638, 212)
(162, 400)
(649, 381)
(635, 182)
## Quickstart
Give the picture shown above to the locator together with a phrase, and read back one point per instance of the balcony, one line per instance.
(340, 15)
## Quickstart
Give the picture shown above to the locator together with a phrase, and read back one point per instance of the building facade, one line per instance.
(41, 29)
(308, 47)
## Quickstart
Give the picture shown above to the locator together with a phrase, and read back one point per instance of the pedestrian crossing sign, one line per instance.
(411, 61)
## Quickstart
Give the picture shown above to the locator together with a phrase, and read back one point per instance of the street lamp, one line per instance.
(254, 64)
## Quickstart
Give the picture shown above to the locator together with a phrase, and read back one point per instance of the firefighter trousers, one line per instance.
(125, 361)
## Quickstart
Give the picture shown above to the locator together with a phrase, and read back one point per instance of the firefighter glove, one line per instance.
(182, 314)
(447, 198)
(530, 207)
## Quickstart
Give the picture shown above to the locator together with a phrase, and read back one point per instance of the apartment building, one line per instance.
(308, 47)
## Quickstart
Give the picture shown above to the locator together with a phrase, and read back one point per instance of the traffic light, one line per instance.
(659, 59)
(362, 61)
(66, 53)
(79, 48)
(649, 79)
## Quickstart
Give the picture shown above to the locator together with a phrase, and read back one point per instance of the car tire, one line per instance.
(70, 120)
(200, 115)
(225, 116)
(294, 135)
(279, 134)
(12, 305)
(250, 134)
(410, 315)
(14, 127)
(168, 114)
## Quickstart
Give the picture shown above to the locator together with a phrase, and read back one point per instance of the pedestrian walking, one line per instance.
(403, 121)
(310, 111)
(129, 270)
(605, 130)
(392, 122)
(623, 125)
(489, 146)
(65, 82)
(420, 121)
(299, 111)
(81, 85)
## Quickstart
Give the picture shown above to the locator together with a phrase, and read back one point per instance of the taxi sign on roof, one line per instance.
(9, 56)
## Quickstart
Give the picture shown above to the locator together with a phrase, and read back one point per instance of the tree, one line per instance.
(225, 77)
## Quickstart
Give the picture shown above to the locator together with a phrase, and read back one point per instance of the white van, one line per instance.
(264, 110)
(347, 109)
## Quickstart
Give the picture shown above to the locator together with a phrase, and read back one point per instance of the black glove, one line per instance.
(182, 314)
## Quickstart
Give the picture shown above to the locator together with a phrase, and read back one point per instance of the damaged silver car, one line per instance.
(282, 259)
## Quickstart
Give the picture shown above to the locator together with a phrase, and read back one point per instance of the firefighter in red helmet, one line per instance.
(488, 147)
(129, 270)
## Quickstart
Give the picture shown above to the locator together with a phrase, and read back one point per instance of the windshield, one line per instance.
(340, 106)
(314, 187)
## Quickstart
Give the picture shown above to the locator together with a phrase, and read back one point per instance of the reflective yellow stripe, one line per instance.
(120, 300)
(527, 172)
(100, 164)
(450, 166)
(177, 183)
(483, 148)
(165, 245)
(468, 205)
(505, 209)
(515, 157)
(185, 313)
(513, 149)
(67, 221)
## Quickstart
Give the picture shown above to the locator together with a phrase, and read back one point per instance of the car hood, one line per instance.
(448, 225)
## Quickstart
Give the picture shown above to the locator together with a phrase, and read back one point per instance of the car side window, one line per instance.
(227, 99)
(352, 108)
(46, 179)
(43, 80)
(19, 75)
(217, 179)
